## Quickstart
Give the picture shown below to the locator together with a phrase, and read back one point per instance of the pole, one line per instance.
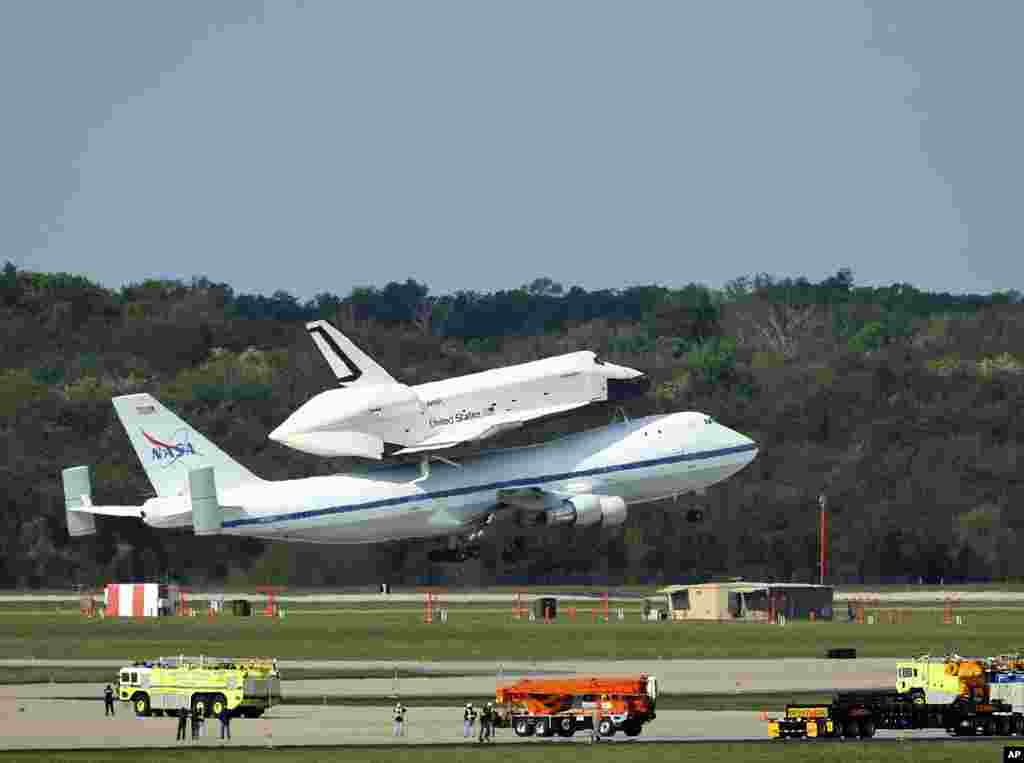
(823, 540)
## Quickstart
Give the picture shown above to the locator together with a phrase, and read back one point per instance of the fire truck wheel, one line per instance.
(141, 704)
(566, 728)
(851, 729)
(867, 729)
(545, 729)
(1002, 727)
(522, 727)
(632, 729)
(987, 727)
(158, 713)
(606, 728)
(217, 704)
(200, 705)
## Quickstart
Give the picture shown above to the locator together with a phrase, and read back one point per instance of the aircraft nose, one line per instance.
(748, 444)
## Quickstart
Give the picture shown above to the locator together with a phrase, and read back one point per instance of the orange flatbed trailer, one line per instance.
(565, 705)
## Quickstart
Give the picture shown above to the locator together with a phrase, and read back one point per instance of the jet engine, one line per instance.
(588, 510)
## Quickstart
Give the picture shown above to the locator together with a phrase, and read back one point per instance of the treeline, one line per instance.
(906, 407)
(541, 307)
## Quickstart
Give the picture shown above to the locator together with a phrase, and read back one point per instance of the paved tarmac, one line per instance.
(674, 676)
(37, 723)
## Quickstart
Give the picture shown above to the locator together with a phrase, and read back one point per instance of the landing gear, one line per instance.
(456, 555)
(514, 551)
(462, 549)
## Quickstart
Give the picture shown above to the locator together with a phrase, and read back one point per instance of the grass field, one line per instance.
(472, 635)
(777, 752)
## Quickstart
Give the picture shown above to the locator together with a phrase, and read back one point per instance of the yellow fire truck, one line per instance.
(246, 687)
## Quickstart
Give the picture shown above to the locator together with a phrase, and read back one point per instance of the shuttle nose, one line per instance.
(281, 433)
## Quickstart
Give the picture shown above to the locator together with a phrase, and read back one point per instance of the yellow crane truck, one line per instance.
(964, 696)
(245, 687)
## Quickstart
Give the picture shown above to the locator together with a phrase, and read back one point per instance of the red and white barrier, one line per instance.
(131, 599)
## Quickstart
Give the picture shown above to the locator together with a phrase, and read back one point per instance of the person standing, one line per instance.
(486, 719)
(225, 723)
(399, 716)
(468, 719)
(196, 720)
(108, 701)
(182, 723)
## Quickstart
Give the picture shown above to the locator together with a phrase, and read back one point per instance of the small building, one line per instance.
(140, 599)
(747, 601)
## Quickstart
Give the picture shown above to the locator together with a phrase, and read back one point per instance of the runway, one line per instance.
(928, 596)
(674, 676)
(49, 724)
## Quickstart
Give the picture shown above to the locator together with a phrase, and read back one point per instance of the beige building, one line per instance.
(745, 601)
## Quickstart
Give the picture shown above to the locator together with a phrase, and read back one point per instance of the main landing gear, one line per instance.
(461, 549)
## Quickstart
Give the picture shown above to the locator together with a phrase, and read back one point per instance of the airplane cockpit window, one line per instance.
(709, 420)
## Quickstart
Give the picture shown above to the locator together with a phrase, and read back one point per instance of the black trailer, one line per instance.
(861, 714)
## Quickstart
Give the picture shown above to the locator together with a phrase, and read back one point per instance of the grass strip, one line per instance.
(470, 635)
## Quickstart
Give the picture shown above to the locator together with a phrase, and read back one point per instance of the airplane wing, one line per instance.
(482, 428)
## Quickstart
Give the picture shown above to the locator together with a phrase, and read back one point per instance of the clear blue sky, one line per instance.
(314, 146)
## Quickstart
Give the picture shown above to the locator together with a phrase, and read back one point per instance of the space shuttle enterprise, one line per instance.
(373, 415)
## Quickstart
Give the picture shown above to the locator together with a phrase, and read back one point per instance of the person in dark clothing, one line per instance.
(182, 723)
(225, 723)
(486, 719)
(196, 720)
(108, 701)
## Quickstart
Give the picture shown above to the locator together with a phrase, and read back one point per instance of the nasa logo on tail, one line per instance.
(168, 453)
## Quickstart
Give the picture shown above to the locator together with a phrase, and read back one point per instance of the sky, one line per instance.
(315, 146)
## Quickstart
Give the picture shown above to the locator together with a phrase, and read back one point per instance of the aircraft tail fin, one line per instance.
(169, 448)
(350, 364)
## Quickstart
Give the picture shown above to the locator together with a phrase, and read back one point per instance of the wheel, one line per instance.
(522, 727)
(566, 727)
(158, 713)
(988, 727)
(140, 702)
(200, 705)
(606, 728)
(851, 729)
(545, 728)
(218, 705)
(632, 729)
(867, 729)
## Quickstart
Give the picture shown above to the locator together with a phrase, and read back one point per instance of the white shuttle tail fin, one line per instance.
(169, 448)
(350, 364)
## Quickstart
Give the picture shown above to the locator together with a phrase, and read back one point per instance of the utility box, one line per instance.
(545, 605)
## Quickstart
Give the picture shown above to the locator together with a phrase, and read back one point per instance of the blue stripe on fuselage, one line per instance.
(522, 482)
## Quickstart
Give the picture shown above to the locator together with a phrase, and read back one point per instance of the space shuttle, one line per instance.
(372, 415)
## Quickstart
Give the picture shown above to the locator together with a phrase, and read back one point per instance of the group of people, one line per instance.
(487, 717)
(198, 718)
(487, 720)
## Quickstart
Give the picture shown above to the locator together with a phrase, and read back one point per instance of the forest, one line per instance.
(901, 406)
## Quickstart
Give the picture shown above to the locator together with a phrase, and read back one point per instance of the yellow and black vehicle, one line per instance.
(245, 687)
